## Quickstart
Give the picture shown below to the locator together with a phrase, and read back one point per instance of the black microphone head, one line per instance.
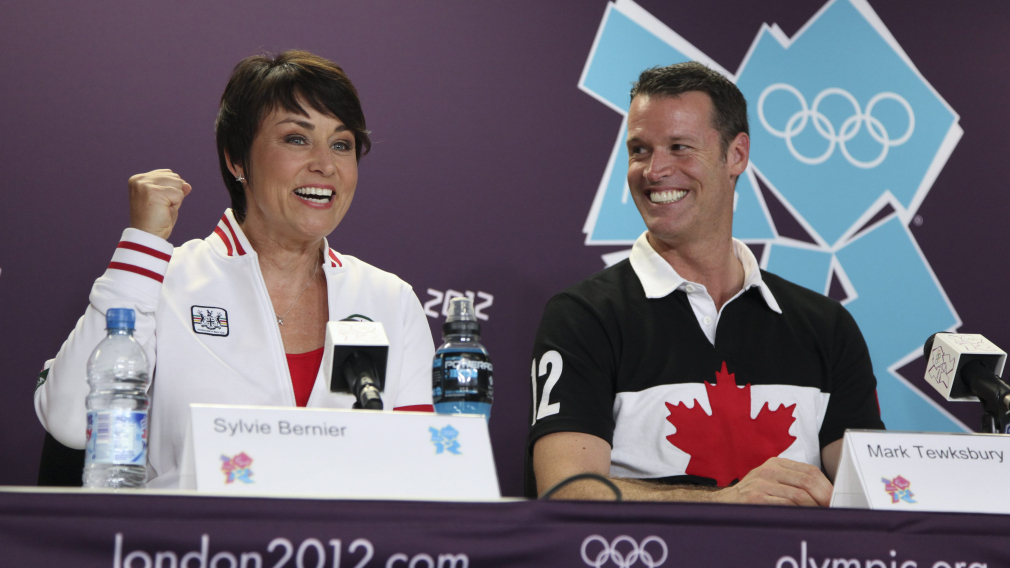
(929, 344)
(348, 341)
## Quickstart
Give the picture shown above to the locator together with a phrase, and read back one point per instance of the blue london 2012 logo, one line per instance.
(445, 439)
(849, 137)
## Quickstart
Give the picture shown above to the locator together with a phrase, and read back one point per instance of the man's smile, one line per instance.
(666, 195)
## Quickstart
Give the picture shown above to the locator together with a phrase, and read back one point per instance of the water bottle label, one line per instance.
(117, 436)
(462, 376)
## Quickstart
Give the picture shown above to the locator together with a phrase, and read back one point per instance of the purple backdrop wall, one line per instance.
(485, 159)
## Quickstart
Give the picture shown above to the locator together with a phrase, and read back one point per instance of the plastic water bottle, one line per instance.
(115, 454)
(461, 373)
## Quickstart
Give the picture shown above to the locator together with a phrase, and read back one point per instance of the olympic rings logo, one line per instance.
(849, 129)
(623, 559)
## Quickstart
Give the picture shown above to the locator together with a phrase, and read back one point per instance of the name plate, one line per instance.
(909, 471)
(267, 451)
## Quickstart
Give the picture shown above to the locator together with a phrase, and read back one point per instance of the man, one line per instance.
(685, 372)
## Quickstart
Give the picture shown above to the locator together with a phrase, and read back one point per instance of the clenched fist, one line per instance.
(155, 198)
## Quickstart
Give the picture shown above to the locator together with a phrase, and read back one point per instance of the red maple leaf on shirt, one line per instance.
(727, 444)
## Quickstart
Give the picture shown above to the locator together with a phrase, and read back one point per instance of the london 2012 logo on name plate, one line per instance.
(237, 468)
(899, 490)
(445, 440)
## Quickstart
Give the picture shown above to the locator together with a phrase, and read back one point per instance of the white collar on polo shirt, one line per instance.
(659, 279)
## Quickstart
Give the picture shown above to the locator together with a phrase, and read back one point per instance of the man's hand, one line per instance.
(155, 198)
(779, 481)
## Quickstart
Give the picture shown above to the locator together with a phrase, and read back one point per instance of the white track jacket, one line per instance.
(207, 325)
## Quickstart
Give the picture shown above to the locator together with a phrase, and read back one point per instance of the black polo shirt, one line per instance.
(641, 374)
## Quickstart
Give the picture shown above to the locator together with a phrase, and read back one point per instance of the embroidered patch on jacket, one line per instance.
(210, 321)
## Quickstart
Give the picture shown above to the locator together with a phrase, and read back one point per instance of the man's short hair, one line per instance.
(262, 83)
(729, 115)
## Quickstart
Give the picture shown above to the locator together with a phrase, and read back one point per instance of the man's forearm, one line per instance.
(635, 490)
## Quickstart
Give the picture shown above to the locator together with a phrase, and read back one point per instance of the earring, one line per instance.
(239, 179)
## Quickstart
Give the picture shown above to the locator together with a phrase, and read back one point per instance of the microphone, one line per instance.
(967, 367)
(355, 360)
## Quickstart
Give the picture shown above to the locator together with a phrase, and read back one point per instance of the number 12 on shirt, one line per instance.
(550, 361)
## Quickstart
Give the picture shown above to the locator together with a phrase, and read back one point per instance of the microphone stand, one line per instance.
(994, 395)
(994, 424)
(359, 372)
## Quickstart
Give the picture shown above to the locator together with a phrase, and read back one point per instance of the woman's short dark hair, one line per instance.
(261, 84)
(728, 103)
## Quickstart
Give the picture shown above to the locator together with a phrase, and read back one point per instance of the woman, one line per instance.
(240, 317)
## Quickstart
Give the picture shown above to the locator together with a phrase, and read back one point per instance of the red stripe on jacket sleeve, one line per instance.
(220, 233)
(137, 270)
(238, 245)
(415, 408)
(146, 250)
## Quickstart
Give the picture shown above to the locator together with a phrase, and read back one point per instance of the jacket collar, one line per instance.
(228, 237)
(229, 240)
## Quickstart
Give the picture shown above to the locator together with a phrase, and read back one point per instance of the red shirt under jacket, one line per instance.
(305, 366)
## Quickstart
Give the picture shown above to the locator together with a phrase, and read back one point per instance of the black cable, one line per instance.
(580, 476)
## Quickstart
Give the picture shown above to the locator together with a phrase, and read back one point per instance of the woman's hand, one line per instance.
(155, 198)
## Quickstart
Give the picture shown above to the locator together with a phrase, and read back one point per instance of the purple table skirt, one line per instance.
(140, 530)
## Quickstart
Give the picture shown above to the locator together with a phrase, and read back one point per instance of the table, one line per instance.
(71, 527)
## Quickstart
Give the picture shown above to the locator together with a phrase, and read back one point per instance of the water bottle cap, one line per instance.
(120, 318)
(461, 309)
